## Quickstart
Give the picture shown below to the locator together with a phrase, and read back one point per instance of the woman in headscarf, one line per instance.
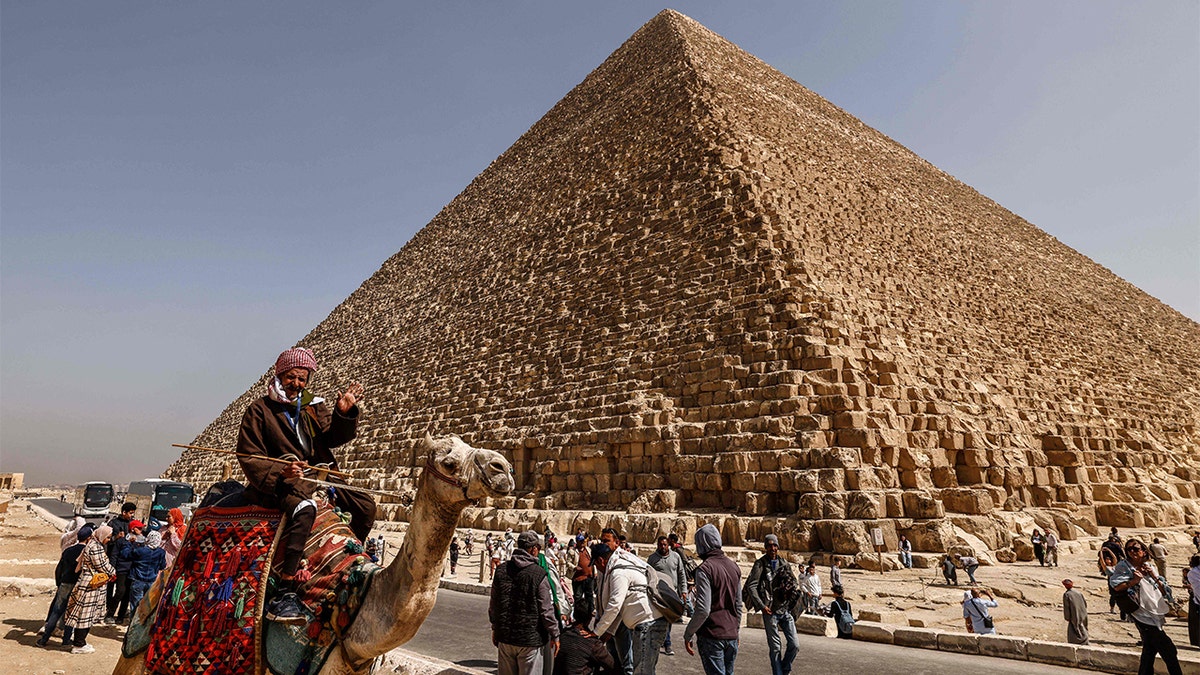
(70, 535)
(87, 604)
(290, 423)
(148, 561)
(172, 535)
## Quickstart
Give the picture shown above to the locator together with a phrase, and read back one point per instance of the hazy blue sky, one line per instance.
(188, 188)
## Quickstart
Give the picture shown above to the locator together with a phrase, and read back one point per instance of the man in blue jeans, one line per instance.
(718, 606)
(66, 577)
(771, 589)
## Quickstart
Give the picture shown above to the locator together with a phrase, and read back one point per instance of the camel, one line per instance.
(403, 594)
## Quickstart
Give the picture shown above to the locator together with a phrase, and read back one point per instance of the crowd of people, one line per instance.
(618, 614)
(103, 572)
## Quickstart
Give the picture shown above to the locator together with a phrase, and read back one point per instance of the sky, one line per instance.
(186, 189)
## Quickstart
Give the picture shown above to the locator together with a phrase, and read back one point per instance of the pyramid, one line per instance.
(695, 291)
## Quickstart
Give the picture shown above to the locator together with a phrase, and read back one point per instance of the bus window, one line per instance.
(98, 496)
(173, 496)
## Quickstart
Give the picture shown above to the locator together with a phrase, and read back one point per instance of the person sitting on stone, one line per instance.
(582, 652)
(289, 422)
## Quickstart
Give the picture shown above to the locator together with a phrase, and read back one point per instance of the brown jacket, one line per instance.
(266, 431)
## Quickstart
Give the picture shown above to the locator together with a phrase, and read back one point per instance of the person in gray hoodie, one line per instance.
(717, 612)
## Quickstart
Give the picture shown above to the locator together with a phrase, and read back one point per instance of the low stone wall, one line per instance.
(405, 662)
(1012, 647)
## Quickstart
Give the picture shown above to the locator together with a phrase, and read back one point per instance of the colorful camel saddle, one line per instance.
(204, 615)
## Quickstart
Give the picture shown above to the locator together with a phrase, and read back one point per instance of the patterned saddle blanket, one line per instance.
(202, 614)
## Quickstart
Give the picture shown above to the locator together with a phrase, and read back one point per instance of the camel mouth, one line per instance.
(495, 475)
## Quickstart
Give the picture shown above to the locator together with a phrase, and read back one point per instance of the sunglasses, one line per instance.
(1135, 547)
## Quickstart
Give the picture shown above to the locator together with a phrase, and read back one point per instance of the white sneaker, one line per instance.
(86, 649)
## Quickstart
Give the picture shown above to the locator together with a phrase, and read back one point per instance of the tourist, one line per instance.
(371, 548)
(717, 605)
(494, 561)
(671, 565)
(65, 576)
(1075, 614)
(1113, 546)
(975, 611)
(70, 536)
(581, 651)
(624, 601)
(173, 534)
(771, 589)
(621, 644)
(810, 591)
(86, 606)
(1150, 598)
(905, 552)
(1051, 549)
(1158, 553)
(969, 563)
(835, 571)
(148, 561)
(1039, 546)
(842, 613)
(1196, 541)
(522, 611)
(453, 556)
(1105, 561)
(1193, 582)
(290, 422)
(118, 591)
(949, 573)
(120, 552)
(562, 606)
(582, 577)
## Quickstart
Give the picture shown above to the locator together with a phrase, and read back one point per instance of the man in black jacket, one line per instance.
(771, 589)
(582, 652)
(522, 611)
(65, 576)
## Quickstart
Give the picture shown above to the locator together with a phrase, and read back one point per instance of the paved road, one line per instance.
(60, 509)
(457, 630)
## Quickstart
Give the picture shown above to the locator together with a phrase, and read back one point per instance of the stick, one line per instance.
(318, 481)
(331, 472)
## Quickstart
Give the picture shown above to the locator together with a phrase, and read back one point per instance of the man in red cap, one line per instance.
(291, 422)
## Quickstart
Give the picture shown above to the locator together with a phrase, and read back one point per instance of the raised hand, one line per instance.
(349, 398)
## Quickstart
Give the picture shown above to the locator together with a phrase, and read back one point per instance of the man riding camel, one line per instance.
(289, 422)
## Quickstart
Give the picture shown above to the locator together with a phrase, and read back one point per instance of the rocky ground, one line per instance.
(1029, 595)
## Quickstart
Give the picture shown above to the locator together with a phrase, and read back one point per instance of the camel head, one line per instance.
(462, 473)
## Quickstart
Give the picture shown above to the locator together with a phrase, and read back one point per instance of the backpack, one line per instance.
(659, 590)
(840, 610)
(689, 566)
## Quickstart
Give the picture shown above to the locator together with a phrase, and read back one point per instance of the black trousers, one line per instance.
(118, 597)
(1155, 641)
(1193, 624)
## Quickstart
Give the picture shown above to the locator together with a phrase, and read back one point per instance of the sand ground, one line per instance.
(1030, 596)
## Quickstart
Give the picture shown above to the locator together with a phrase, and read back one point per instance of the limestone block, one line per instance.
(807, 624)
(925, 638)
(967, 500)
(921, 505)
(1004, 646)
(1119, 515)
(1106, 659)
(959, 643)
(889, 617)
(870, 561)
(871, 631)
(1057, 653)
(849, 536)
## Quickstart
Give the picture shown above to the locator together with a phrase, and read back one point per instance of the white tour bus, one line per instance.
(154, 497)
(92, 500)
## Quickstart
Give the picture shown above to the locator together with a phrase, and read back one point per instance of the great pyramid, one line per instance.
(697, 291)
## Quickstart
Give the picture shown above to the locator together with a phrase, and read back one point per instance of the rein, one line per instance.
(461, 483)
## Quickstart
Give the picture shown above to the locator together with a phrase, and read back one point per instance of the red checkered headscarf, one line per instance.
(297, 357)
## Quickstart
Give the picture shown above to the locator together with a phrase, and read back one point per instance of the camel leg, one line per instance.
(336, 665)
(133, 666)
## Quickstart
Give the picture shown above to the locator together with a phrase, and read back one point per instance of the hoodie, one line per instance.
(717, 612)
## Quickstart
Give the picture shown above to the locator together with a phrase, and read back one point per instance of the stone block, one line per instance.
(807, 624)
(1107, 660)
(959, 643)
(877, 616)
(870, 631)
(1004, 646)
(1057, 653)
(925, 638)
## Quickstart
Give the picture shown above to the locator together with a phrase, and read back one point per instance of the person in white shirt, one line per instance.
(975, 612)
(1136, 577)
(810, 589)
(623, 597)
(1051, 548)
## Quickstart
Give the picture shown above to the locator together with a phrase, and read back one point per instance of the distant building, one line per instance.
(12, 481)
